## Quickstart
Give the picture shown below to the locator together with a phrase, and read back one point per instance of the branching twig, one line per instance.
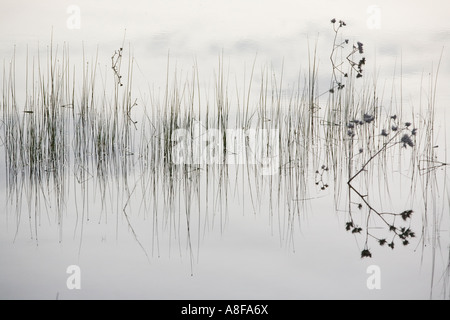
(115, 64)
(337, 66)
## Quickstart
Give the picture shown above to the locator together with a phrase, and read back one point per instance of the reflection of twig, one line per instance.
(363, 168)
(428, 165)
(312, 198)
(385, 147)
(129, 223)
(402, 233)
(79, 178)
(319, 177)
(129, 114)
(446, 275)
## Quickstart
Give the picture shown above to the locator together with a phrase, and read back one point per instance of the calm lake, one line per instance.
(224, 150)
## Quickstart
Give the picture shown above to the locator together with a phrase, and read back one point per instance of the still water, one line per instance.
(101, 189)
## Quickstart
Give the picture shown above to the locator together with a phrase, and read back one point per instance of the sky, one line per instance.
(410, 34)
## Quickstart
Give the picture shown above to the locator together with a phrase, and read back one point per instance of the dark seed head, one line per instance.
(406, 140)
(360, 47)
(366, 254)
